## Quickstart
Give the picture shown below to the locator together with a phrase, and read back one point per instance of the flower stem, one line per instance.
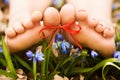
(34, 69)
(43, 64)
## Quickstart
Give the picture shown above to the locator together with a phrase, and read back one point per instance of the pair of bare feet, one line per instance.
(94, 34)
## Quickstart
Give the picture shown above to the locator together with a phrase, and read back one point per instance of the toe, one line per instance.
(92, 22)
(81, 15)
(100, 27)
(51, 17)
(27, 23)
(18, 28)
(108, 32)
(36, 16)
(10, 32)
(67, 14)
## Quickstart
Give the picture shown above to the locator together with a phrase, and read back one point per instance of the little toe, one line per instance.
(27, 23)
(108, 32)
(51, 17)
(18, 27)
(10, 32)
(67, 14)
(36, 16)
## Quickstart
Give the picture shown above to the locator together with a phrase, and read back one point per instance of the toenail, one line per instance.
(108, 32)
(94, 19)
(10, 32)
(92, 22)
(37, 12)
(81, 10)
(81, 15)
(108, 28)
(100, 24)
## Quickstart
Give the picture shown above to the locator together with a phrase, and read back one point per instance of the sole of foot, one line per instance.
(25, 33)
(93, 33)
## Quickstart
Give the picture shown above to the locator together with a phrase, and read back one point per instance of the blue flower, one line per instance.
(114, 6)
(94, 54)
(39, 56)
(59, 37)
(65, 47)
(118, 15)
(118, 44)
(56, 2)
(1, 50)
(30, 55)
(36, 57)
(117, 55)
(6, 1)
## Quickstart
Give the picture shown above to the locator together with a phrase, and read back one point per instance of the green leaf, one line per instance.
(72, 65)
(47, 60)
(3, 61)
(3, 72)
(52, 74)
(79, 70)
(102, 63)
(92, 69)
(108, 64)
(8, 58)
(66, 60)
(43, 63)
(25, 64)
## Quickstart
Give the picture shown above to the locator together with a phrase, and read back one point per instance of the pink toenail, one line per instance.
(100, 24)
(81, 10)
(81, 15)
(92, 22)
(107, 32)
(94, 19)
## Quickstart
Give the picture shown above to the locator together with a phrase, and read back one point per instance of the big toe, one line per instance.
(67, 14)
(51, 17)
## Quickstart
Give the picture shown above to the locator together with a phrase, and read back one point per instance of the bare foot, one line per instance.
(94, 34)
(25, 33)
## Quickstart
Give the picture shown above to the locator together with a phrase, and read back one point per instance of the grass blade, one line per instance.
(108, 64)
(8, 58)
(25, 64)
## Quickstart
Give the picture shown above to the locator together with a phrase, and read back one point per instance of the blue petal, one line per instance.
(114, 6)
(65, 47)
(1, 50)
(30, 54)
(56, 2)
(6, 1)
(64, 51)
(118, 15)
(39, 56)
(94, 54)
(59, 37)
(65, 44)
(117, 54)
